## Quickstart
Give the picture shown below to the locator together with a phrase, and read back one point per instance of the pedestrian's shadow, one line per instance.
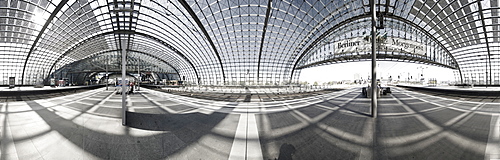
(286, 152)
(172, 122)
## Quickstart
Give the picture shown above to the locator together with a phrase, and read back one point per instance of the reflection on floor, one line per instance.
(335, 125)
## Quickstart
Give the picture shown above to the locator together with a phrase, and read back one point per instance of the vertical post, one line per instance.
(124, 85)
(374, 61)
(107, 79)
(60, 75)
(139, 75)
(486, 58)
(489, 59)
(43, 77)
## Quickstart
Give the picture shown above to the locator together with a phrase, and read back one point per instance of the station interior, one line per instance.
(249, 79)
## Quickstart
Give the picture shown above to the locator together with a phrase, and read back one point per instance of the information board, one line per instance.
(12, 82)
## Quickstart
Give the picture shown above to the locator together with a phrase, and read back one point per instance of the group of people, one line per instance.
(130, 87)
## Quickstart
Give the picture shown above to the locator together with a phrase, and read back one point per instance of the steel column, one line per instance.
(374, 85)
(139, 75)
(107, 79)
(124, 86)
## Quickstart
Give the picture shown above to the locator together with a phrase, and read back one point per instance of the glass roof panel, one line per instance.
(232, 42)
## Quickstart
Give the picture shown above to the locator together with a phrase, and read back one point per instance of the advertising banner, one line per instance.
(388, 44)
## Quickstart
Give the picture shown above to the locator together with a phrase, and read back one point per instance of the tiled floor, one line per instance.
(335, 125)
(247, 95)
(491, 96)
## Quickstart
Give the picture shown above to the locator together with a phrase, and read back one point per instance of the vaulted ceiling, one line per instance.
(226, 41)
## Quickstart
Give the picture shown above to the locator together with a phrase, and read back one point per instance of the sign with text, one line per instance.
(389, 44)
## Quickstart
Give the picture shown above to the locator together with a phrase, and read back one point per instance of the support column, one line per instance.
(124, 85)
(374, 86)
(107, 79)
(139, 75)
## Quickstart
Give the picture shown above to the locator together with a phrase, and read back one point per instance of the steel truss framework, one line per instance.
(229, 42)
(110, 61)
(323, 51)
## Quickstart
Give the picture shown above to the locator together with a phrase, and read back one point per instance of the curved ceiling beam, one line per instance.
(380, 57)
(49, 20)
(268, 14)
(171, 48)
(145, 53)
(200, 25)
(352, 19)
(430, 36)
(102, 69)
(151, 55)
(126, 32)
(322, 36)
(481, 14)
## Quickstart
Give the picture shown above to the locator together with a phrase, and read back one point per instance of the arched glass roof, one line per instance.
(232, 42)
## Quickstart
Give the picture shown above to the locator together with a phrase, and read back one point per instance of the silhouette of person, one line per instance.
(286, 151)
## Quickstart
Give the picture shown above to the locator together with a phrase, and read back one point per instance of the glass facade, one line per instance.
(230, 42)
